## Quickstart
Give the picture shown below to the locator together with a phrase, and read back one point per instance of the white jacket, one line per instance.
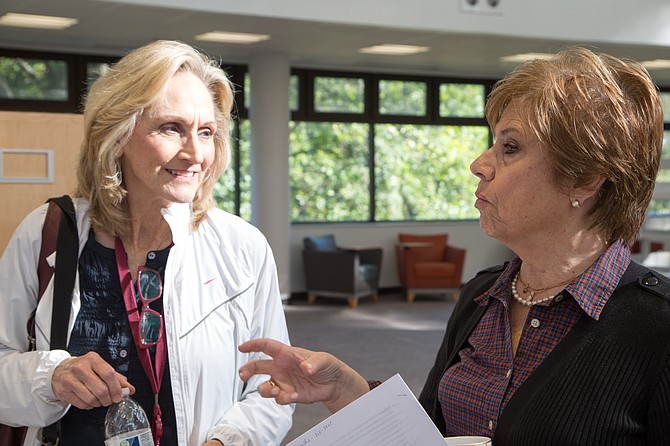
(220, 290)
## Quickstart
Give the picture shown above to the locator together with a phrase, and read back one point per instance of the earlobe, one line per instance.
(582, 193)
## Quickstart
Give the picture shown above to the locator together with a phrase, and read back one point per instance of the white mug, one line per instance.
(468, 441)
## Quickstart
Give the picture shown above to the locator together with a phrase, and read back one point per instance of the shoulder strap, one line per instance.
(649, 280)
(49, 237)
(67, 253)
(44, 270)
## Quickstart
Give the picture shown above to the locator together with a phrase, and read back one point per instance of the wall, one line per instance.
(61, 133)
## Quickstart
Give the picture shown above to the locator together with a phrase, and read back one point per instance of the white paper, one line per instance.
(389, 415)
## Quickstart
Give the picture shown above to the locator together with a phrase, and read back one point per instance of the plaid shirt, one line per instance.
(474, 392)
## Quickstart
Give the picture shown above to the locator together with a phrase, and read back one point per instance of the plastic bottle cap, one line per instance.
(125, 391)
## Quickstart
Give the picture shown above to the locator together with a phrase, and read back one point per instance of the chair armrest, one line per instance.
(454, 254)
(457, 257)
(409, 245)
(407, 255)
(367, 254)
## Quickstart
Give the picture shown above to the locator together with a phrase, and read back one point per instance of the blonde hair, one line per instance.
(597, 116)
(113, 108)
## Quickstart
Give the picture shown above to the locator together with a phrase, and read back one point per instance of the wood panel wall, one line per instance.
(59, 132)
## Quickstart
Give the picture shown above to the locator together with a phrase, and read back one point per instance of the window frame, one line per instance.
(76, 82)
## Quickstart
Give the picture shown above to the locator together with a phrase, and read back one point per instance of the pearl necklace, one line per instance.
(528, 301)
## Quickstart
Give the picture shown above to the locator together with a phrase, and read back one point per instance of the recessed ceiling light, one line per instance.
(524, 57)
(394, 50)
(223, 37)
(656, 64)
(37, 21)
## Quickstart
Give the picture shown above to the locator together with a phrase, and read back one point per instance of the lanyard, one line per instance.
(155, 377)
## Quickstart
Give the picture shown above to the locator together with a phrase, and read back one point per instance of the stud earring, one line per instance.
(575, 204)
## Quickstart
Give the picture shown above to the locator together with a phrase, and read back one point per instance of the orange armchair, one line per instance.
(427, 264)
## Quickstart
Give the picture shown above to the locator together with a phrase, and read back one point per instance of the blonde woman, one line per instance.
(168, 286)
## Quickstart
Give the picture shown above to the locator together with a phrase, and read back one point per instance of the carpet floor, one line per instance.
(378, 339)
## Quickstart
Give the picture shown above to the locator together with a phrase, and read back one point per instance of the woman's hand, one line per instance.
(88, 381)
(302, 376)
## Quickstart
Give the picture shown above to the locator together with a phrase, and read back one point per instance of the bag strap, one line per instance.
(67, 253)
(44, 270)
(59, 233)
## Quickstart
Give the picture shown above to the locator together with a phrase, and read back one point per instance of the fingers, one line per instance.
(271, 389)
(262, 345)
(267, 346)
(256, 367)
(123, 381)
(285, 360)
(87, 382)
(321, 361)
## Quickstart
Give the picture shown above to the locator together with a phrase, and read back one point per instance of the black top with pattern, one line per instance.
(102, 326)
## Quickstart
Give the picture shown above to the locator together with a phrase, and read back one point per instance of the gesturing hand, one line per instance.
(88, 381)
(302, 376)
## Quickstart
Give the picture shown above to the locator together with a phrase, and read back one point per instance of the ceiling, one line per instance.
(110, 29)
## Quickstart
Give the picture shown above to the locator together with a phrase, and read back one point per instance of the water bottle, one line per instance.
(126, 424)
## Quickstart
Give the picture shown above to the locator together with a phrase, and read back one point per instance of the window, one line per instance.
(294, 93)
(664, 171)
(386, 148)
(338, 94)
(46, 82)
(94, 70)
(246, 91)
(422, 171)
(397, 97)
(660, 204)
(233, 190)
(37, 79)
(34, 79)
(665, 103)
(462, 100)
(329, 171)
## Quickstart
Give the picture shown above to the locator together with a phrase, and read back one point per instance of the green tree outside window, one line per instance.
(329, 171)
(224, 191)
(33, 79)
(402, 98)
(339, 94)
(462, 100)
(422, 172)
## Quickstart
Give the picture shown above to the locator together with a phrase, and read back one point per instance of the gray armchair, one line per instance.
(333, 271)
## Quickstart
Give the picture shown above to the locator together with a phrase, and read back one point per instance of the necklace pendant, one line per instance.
(525, 289)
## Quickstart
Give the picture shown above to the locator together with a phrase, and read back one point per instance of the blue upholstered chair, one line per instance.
(333, 271)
